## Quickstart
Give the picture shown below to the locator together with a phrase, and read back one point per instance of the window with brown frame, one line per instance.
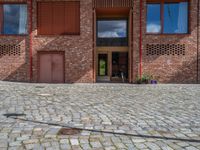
(167, 16)
(59, 18)
(112, 32)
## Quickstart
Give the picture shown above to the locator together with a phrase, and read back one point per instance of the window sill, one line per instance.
(16, 35)
(54, 35)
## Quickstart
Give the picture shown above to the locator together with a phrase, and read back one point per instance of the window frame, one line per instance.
(66, 34)
(112, 19)
(17, 3)
(162, 2)
(111, 39)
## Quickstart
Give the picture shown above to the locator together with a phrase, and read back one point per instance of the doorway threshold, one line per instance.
(106, 79)
(102, 79)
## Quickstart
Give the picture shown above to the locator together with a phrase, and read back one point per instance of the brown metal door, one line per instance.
(57, 68)
(51, 68)
(45, 68)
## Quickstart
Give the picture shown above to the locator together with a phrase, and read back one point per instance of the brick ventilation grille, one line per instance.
(10, 50)
(165, 49)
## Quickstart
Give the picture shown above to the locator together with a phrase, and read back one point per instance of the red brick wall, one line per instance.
(14, 67)
(78, 50)
(168, 68)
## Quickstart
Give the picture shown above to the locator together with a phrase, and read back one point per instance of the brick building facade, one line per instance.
(86, 58)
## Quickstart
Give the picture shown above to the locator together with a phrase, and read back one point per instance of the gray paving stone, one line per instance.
(65, 146)
(3, 144)
(74, 142)
(96, 144)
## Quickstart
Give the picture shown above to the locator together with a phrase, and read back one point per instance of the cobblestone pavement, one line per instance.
(112, 116)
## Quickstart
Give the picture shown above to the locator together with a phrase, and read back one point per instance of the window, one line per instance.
(112, 28)
(13, 19)
(59, 18)
(112, 32)
(153, 21)
(167, 17)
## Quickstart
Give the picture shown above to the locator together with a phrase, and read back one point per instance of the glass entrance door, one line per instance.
(102, 64)
(120, 66)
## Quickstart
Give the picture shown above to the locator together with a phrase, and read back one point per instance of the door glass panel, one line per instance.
(102, 64)
(120, 64)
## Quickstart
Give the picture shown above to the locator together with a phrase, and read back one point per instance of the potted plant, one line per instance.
(145, 79)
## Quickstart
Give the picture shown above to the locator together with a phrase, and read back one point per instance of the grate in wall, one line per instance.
(165, 49)
(10, 49)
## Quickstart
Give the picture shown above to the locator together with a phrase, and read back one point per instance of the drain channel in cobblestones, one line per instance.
(13, 115)
(69, 131)
(107, 132)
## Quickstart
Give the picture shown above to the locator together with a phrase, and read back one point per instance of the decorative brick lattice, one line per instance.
(10, 49)
(165, 49)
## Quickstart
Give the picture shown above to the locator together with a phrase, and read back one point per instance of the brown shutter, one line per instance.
(58, 18)
(45, 14)
(1, 18)
(72, 17)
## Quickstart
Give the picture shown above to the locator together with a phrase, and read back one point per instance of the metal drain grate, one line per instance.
(69, 131)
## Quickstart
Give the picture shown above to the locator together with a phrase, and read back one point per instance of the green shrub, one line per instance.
(145, 79)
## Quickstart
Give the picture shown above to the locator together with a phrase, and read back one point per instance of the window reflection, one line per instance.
(112, 28)
(153, 18)
(176, 17)
(174, 14)
(14, 19)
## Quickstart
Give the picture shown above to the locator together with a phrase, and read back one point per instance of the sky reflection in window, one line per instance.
(153, 18)
(112, 28)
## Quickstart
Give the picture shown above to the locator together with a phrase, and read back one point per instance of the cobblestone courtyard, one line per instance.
(111, 116)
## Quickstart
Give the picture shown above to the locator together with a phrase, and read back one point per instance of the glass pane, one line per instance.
(102, 64)
(176, 17)
(153, 18)
(120, 64)
(1, 19)
(112, 28)
(15, 18)
(102, 69)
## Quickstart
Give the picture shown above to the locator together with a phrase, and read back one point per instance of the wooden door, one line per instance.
(51, 67)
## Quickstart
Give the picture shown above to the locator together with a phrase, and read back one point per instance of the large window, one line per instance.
(112, 28)
(112, 32)
(59, 18)
(13, 19)
(167, 17)
(153, 18)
